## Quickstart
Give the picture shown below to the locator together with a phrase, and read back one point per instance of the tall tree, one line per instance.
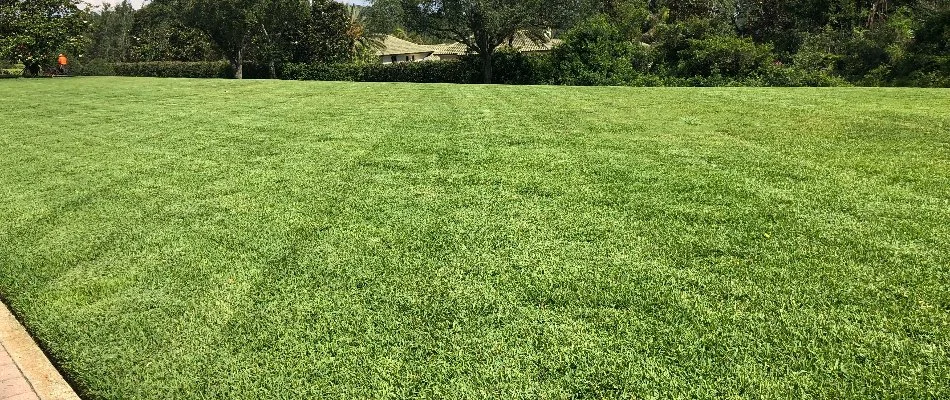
(33, 31)
(326, 38)
(484, 25)
(231, 26)
(280, 23)
(109, 36)
(386, 15)
(160, 32)
(362, 39)
(389, 16)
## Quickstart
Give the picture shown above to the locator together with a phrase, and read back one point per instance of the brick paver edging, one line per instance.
(25, 372)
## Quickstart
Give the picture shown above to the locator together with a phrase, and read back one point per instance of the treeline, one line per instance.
(267, 32)
(863, 42)
(605, 42)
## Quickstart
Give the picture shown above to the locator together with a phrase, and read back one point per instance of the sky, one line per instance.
(138, 3)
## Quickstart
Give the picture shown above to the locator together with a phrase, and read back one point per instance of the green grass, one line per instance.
(223, 239)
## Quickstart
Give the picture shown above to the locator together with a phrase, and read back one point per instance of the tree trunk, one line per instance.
(272, 70)
(238, 64)
(31, 69)
(486, 66)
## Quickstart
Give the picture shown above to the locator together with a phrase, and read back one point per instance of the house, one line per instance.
(396, 50)
(523, 43)
(449, 51)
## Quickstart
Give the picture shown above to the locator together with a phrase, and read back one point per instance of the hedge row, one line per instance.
(417, 72)
(175, 69)
(170, 69)
(508, 69)
(422, 72)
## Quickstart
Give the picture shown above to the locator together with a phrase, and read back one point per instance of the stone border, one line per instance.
(34, 367)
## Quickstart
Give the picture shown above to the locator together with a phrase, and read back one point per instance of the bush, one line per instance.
(514, 68)
(417, 72)
(9, 73)
(93, 68)
(595, 53)
(175, 69)
(779, 75)
(925, 71)
(455, 71)
(725, 55)
(818, 52)
(170, 69)
(927, 59)
(670, 42)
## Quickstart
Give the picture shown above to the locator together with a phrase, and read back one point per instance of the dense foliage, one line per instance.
(32, 32)
(605, 42)
(484, 25)
(594, 53)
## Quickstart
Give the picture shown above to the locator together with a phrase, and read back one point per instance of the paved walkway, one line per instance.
(25, 372)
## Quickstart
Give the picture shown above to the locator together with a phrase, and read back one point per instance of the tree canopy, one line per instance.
(483, 25)
(866, 42)
(34, 31)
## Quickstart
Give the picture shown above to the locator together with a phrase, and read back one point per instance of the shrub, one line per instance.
(170, 69)
(780, 75)
(670, 42)
(594, 53)
(818, 52)
(175, 69)
(9, 73)
(925, 71)
(418, 72)
(455, 71)
(927, 59)
(93, 68)
(724, 55)
(513, 68)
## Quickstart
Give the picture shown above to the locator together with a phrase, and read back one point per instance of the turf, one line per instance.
(168, 238)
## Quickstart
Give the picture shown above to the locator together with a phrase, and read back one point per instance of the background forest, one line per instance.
(605, 42)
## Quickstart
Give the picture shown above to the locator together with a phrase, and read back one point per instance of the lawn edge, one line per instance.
(47, 382)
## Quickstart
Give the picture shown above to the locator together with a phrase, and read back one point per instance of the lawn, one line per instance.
(170, 238)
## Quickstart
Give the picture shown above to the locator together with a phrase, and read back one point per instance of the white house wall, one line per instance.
(413, 57)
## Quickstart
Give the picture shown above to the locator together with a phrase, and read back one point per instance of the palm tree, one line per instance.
(361, 39)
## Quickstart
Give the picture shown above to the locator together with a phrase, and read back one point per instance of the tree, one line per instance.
(160, 33)
(484, 25)
(409, 16)
(595, 52)
(386, 15)
(231, 26)
(34, 31)
(278, 28)
(280, 22)
(362, 40)
(109, 36)
(326, 38)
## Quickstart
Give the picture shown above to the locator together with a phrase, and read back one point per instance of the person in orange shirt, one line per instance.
(63, 62)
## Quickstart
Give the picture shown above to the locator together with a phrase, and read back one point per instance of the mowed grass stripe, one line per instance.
(215, 238)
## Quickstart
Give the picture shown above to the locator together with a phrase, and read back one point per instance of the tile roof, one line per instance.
(458, 48)
(393, 45)
(520, 42)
